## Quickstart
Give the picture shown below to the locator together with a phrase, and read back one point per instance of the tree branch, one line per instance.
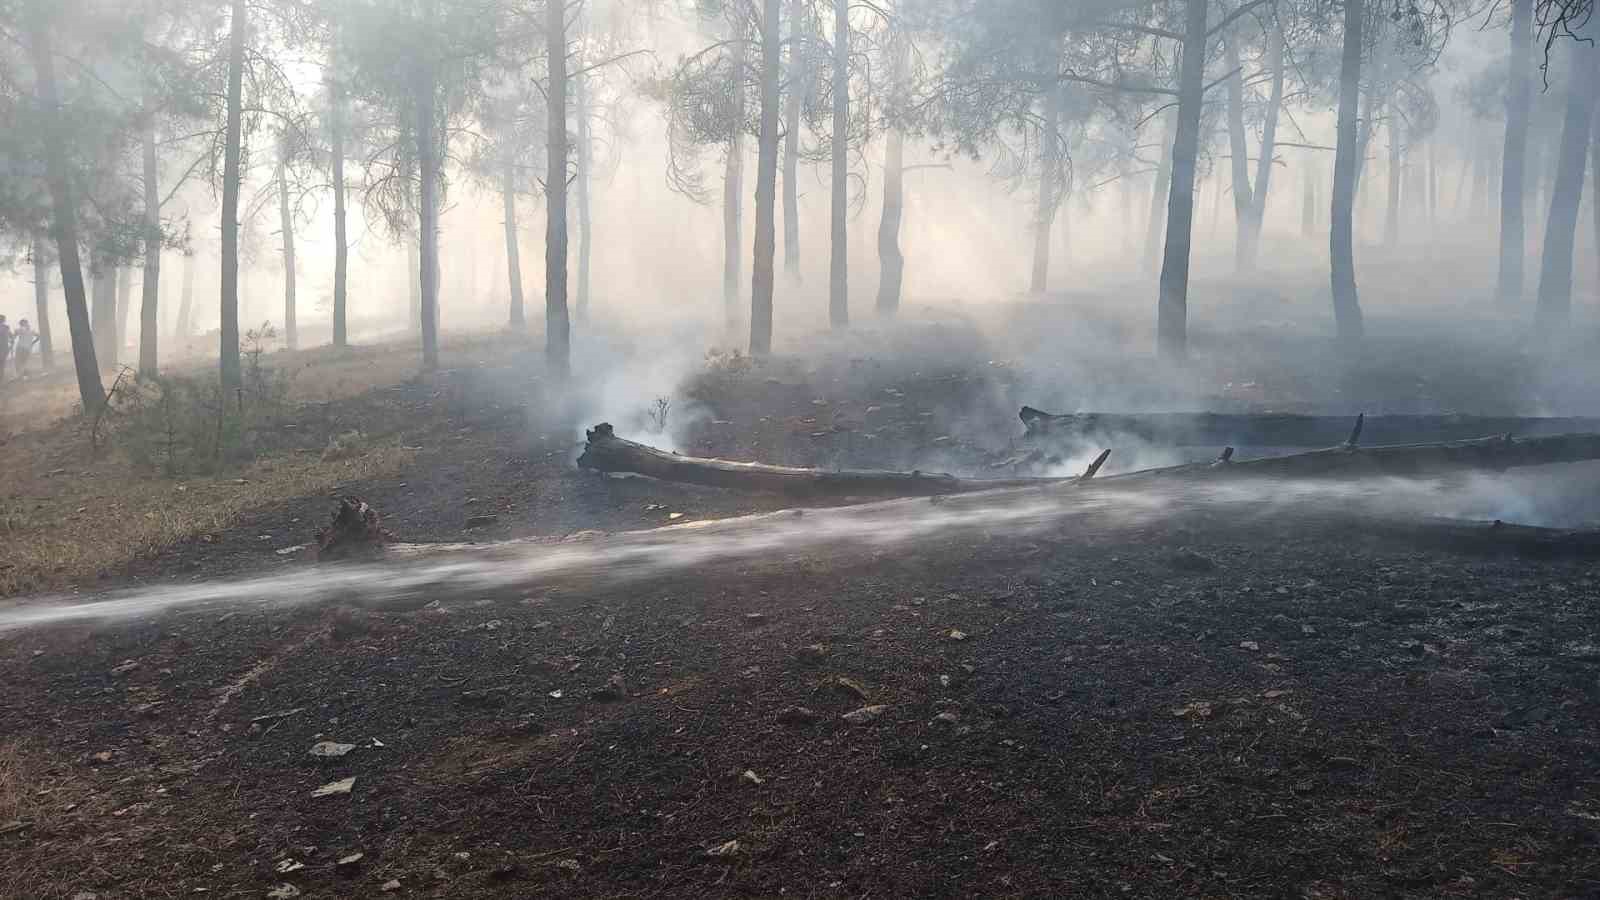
(1234, 16)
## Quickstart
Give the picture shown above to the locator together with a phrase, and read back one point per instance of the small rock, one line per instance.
(728, 848)
(390, 886)
(480, 699)
(492, 625)
(1186, 560)
(946, 718)
(125, 668)
(798, 715)
(285, 866)
(507, 872)
(944, 680)
(482, 521)
(103, 756)
(1273, 695)
(283, 892)
(674, 516)
(346, 862)
(864, 715)
(812, 654)
(754, 619)
(1252, 646)
(957, 634)
(613, 691)
(342, 786)
(1307, 630)
(330, 749)
(849, 687)
(751, 777)
(571, 865)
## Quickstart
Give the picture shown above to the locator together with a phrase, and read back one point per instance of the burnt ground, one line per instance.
(1215, 701)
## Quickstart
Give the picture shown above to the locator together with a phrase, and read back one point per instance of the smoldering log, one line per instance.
(1494, 537)
(1207, 429)
(1493, 454)
(605, 452)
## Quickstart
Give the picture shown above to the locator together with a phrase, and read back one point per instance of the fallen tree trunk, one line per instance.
(605, 452)
(1491, 537)
(1493, 454)
(1274, 430)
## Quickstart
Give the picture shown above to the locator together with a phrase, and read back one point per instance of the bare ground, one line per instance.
(1289, 707)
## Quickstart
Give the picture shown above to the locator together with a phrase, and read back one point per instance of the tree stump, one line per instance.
(356, 531)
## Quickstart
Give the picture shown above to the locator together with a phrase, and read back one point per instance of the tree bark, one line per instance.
(1391, 222)
(1308, 208)
(1514, 164)
(891, 261)
(428, 214)
(508, 191)
(124, 302)
(1243, 202)
(557, 330)
(585, 217)
(1566, 196)
(839, 234)
(341, 242)
(799, 85)
(1158, 197)
(733, 191)
(229, 367)
(149, 319)
(1172, 329)
(104, 308)
(185, 327)
(414, 288)
(64, 216)
(1045, 204)
(761, 278)
(1251, 235)
(291, 333)
(1594, 200)
(1341, 240)
(41, 303)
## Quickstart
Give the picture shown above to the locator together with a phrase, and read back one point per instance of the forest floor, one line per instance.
(1183, 698)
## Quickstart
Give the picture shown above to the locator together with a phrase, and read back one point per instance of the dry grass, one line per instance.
(65, 519)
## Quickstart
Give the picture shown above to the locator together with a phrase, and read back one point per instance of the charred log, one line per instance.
(1273, 430)
(605, 452)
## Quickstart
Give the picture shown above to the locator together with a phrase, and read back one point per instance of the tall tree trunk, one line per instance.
(1049, 198)
(1251, 235)
(341, 242)
(291, 333)
(799, 87)
(1341, 240)
(185, 327)
(1433, 185)
(1514, 165)
(839, 236)
(149, 319)
(1308, 208)
(1172, 327)
(761, 276)
(891, 261)
(232, 377)
(508, 191)
(103, 308)
(580, 90)
(414, 287)
(1566, 196)
(1594, 200)
(557, 331)
(64, 214)
(124, 302)
(1239, 159)
(428, 229)
(41, 303)
(1391, 221)
(1158, 197)
(733, 190)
